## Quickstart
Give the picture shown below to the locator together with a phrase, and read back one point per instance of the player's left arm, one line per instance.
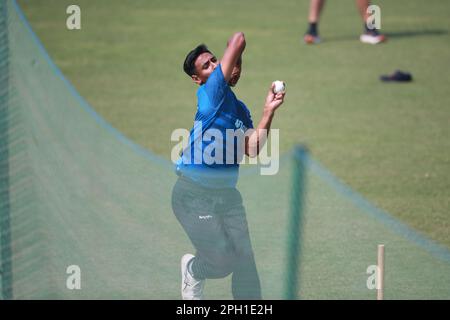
(256, 140)
(233, 52)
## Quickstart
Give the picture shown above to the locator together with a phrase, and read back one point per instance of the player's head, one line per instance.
(200, 63)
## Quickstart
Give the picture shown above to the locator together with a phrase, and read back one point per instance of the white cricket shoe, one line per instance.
(191, 288)
(372, 37)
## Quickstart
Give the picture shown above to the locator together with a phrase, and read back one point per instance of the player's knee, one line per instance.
(224, 272)
(223, 264)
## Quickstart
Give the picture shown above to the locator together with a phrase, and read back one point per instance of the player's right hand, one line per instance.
(273, 101)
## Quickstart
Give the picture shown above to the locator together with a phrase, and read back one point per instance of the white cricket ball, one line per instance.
(279, 87)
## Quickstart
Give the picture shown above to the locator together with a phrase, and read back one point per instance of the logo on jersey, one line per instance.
(240, 125)
(226, 148)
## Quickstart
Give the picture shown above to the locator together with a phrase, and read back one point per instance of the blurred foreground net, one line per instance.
(74, 191)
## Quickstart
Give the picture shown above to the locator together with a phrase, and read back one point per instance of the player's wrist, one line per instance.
(268, 112)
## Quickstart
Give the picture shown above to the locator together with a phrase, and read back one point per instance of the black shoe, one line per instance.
(398, 76)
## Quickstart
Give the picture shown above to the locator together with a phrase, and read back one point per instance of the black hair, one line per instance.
(189, 62)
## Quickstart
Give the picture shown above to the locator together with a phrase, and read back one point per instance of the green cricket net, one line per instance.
(75, 192)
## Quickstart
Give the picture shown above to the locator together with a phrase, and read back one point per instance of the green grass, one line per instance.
(390, 142)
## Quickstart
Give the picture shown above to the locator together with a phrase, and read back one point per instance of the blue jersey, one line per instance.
(213, 155)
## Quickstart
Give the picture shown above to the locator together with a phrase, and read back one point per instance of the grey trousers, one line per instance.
(215, 222)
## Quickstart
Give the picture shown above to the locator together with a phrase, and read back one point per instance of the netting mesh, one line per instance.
(74, 191)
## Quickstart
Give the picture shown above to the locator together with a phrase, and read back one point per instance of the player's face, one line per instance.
(236, 73)
(204, 66)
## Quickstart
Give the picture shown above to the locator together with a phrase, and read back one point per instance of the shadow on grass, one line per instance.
(416, 33)
(394, 34)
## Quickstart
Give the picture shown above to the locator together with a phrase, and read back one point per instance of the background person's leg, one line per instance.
(315, 8)
(362, 8)
(369, 36)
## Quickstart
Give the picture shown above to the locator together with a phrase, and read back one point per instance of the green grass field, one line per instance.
(389, 142)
